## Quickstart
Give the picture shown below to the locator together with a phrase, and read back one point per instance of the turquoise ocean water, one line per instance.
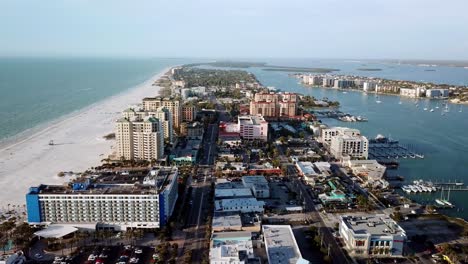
(38, 90)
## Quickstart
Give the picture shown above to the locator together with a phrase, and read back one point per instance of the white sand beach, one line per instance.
(78, 145)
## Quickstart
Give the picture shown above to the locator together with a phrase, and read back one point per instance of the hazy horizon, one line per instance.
(323, 29)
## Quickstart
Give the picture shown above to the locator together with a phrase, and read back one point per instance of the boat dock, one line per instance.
(382, 148)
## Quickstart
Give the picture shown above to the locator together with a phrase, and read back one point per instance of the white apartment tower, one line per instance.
(165, 118)
(140, 138)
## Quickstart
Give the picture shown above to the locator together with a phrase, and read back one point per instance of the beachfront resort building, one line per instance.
(151, 104)
(354, 147)
(253, 127)
(139, 138)
(270, 104)
(281, 246)
(113, 202)
(372, 236)
(328, 133)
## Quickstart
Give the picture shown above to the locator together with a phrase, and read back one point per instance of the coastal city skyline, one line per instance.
(241, 132)
(361, 29)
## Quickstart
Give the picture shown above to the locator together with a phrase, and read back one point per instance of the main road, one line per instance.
(329, 240)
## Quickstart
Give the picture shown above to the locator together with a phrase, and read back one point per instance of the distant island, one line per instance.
(299, 69)
(265, 66)
(369, 69)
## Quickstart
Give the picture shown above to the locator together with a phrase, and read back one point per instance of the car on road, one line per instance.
(38, 255)
(138, 251)
(92, 257)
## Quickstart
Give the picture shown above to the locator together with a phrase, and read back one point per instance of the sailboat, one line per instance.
(400, 102)
(432, 110)
(425, 107)
(460, 109)
(446, 110)
(378, 100)
(437, 105)
(441, 200)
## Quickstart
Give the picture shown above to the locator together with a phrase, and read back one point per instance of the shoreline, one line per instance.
(390, 94)
(26, 159)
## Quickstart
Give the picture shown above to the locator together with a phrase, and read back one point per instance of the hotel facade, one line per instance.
(139, 138)
(136, 201)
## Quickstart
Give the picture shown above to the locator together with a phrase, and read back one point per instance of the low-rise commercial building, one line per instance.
(312, 172)
(114, 202)
(281, 246)
(224, 193)
(243, 205)
(232, 247)
(372, 236)
(258, 185)
(234, 221)
(370, 171)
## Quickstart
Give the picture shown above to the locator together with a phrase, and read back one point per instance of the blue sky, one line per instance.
(401, 29)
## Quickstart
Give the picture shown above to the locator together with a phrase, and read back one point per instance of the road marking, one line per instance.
(199, 210)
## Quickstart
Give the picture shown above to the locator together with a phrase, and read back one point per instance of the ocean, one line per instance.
(38, 90)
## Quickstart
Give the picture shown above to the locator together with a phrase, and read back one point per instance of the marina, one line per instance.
(341, 116)
(419, 186)
(382, 148)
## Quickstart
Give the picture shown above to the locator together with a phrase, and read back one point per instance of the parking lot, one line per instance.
(121, 254)
(281, 196)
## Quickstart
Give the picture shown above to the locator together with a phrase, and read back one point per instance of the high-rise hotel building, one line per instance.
(274, 104)
(151, 104)
(140, 138)
(112, 201)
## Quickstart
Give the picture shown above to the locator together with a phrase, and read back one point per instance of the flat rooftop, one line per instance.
(280, 244)
(251, 120)
(138, 182)
(254, 179)
(232, 192)
(238, 203)
(378, 225)
(227, 221)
